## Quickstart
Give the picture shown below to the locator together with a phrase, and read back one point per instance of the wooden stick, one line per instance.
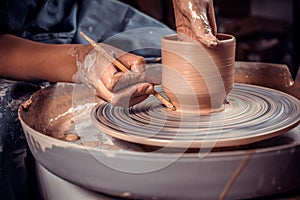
(119, 65)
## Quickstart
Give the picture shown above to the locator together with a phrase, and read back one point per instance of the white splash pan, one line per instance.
(126, 170)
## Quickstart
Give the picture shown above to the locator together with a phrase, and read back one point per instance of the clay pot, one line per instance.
(196, 78)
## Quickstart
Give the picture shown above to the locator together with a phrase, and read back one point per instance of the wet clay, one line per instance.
(62, 111)
(196, 78)
(55, 112)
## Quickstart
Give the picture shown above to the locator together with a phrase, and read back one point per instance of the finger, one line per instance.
(103, 92)
(138, 99)
(128, 79)
(133, 62)
(209, 40)
(204, 33)
(111, 75)
(211, 18)
(196, 12)
(182, 22)
(132, 95)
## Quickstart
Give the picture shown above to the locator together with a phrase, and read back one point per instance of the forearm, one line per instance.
(23, 59)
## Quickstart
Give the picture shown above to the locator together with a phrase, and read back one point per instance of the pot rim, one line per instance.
(172, 38)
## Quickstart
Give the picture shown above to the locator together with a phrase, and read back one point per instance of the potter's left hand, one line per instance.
(196, 19)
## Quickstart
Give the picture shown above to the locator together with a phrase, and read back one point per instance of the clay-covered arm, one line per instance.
(23, 59)
(196, 20)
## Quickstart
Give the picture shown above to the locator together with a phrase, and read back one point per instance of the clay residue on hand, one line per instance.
(195, 20)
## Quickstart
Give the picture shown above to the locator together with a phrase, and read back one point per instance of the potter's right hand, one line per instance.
(196, 20)
(112, 85)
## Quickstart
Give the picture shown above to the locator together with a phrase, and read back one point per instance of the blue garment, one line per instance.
(59, 22)
(16, 166)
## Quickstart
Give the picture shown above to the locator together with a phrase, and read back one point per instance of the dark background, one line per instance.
(266, 30)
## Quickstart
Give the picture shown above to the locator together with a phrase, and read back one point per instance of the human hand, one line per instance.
(112, 85)
(195, 19)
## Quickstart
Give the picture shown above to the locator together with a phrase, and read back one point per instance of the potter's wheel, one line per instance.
(253, 114)
(98, 162)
